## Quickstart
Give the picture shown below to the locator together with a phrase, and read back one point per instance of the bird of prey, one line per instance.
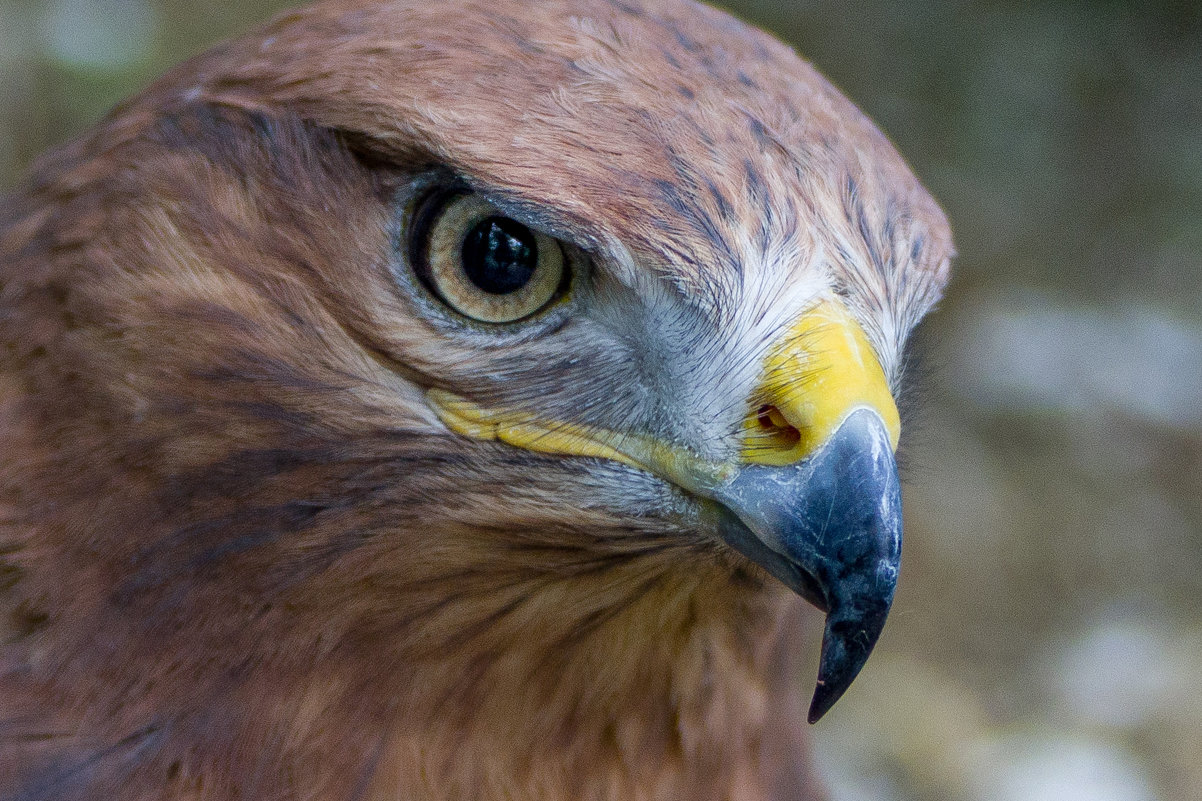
(450, 399)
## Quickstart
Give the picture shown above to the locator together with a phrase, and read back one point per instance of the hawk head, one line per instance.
(407, 375)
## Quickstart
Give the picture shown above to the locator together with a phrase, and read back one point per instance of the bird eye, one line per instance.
(485, 265)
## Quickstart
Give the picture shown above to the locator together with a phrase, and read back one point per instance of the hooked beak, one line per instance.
(829, 527)
(817, 502)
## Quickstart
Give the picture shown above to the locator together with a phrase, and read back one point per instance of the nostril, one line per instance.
(770, 417)
(775, 430)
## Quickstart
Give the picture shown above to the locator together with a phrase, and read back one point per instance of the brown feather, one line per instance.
(240, 557)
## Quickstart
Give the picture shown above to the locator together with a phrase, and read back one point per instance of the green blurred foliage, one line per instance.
(1045, 640)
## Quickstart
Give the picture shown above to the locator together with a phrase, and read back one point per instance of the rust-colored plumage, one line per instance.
(240, 554)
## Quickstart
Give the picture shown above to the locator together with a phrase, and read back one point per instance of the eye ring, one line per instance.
(484, 264)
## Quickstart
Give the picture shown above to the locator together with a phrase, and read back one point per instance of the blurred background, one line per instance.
(1046, 644)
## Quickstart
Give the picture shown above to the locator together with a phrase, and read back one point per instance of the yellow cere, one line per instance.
(821, 371)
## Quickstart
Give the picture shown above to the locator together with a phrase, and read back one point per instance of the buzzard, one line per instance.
(448, 399)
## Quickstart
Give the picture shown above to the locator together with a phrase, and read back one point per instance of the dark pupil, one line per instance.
(499, 255)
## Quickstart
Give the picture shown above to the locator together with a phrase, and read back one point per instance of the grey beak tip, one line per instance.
(821, 703)
(846, 645)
